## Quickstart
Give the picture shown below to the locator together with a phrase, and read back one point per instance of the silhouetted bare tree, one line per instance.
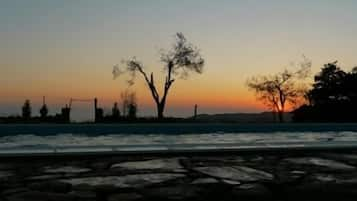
(284, 87)
(129, 104)
(179, 61)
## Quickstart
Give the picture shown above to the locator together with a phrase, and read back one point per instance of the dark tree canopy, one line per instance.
(333, 96)
(44, 111)
(275, 91)
(329, 84)
(26, 110)
(179, 61)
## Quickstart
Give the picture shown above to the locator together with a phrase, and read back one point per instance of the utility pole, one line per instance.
(95, 110)
(98, 112)
(95, 104)
(195, 112)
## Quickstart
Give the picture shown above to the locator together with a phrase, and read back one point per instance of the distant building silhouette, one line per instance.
(195, 112)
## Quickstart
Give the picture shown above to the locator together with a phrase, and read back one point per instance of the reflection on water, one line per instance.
(161, 142)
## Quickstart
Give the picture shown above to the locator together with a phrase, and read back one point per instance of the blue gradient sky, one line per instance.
(67, 48)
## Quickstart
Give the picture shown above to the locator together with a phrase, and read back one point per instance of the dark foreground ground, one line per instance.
(279, 176)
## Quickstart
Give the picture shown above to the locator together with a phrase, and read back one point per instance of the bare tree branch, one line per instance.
(277, 90)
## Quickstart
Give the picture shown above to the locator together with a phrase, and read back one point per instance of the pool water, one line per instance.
(122, 138)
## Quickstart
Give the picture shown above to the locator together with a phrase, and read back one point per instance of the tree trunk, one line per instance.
(160, 111)
(281, 116)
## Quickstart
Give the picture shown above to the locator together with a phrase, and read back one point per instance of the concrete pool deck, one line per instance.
(279, 174)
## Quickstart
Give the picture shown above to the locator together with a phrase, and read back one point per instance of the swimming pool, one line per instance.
(68, 138)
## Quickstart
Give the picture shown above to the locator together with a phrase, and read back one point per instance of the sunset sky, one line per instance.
(67, 48)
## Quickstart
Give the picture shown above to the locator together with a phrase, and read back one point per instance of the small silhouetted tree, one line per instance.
(132, 109)
(26, 110)
(115, 111)
(179, 61)
(284, 87)
(44, 111)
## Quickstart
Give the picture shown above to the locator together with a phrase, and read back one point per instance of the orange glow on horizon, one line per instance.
(177, 98)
